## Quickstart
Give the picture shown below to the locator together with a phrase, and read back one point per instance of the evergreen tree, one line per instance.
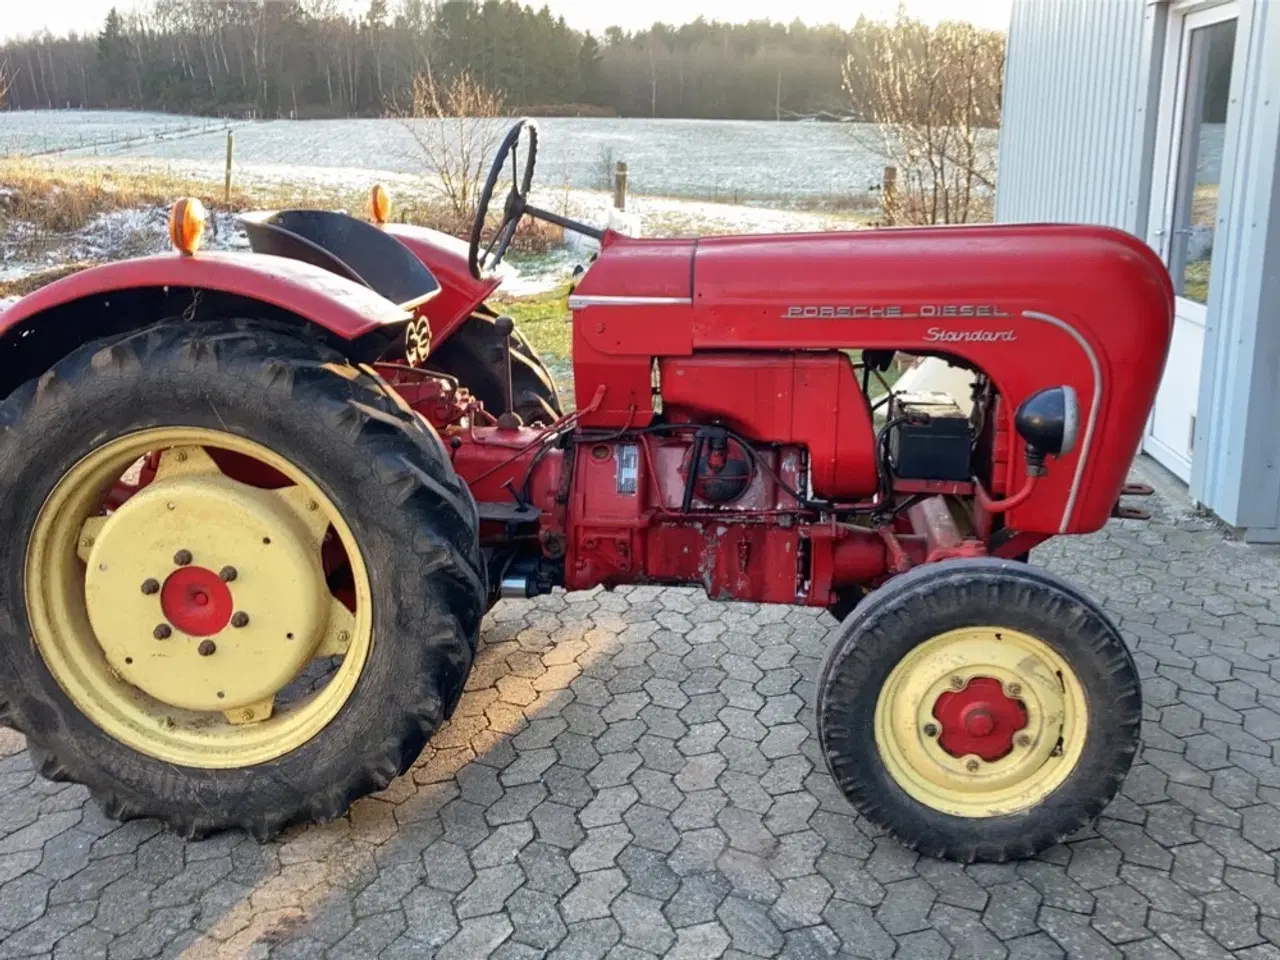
(113, 59)
(328, 57)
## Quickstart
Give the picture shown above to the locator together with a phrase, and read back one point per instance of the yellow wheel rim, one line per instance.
(188, 622)
(1042, 751)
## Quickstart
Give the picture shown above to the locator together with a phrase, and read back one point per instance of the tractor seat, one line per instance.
(346, 246)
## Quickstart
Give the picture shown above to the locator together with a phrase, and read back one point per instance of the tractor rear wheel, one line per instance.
(474, 354)
(242, 584)
(979, 709)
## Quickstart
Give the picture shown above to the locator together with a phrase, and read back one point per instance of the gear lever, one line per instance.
(510, 420)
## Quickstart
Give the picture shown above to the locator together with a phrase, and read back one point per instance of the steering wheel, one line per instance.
(516, 204)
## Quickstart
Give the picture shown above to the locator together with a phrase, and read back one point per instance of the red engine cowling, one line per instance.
(809, 399)
(635, 517)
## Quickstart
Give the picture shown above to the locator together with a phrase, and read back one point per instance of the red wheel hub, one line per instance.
(980, 719)
(196, 601)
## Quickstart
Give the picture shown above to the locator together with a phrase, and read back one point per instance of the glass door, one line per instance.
(1196, 100)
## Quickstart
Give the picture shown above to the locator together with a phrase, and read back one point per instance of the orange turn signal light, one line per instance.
(379, 204)
(186, 225)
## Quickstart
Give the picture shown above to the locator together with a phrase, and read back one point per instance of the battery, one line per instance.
(934, 449)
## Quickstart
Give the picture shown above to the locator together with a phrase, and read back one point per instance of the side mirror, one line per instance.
(1049, 422)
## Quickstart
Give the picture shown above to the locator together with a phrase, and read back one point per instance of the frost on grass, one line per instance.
(727, 161)
(115, 235)
(685, 176)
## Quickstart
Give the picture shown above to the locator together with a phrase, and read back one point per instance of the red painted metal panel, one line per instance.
(1032, 306)
(446, 257)
(339, 305)
(810, 399)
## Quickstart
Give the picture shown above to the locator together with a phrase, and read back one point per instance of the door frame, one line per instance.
(1167, 159)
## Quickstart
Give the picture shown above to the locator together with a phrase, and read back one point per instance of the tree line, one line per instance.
(318, 58)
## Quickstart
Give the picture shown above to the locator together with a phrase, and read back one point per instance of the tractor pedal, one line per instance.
(507, 513)
(1121, 512)
(1136, 490)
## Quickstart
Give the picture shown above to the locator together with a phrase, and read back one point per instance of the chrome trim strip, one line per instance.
(578, 302)
(1094, 403)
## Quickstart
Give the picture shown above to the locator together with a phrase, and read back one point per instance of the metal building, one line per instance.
(1163, 118)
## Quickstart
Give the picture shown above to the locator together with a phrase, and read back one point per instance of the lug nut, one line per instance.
(930, 729)
(206, 648)
(972, 766)
(1014, 689)
(162, 632)
(150, 586)
(182, 557)
(957, 683)
(1023, 740)
(227, 574)
(239, 619)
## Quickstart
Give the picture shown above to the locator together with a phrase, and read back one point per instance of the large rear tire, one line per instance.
(474, 354)
(979, 709)
(249, 429)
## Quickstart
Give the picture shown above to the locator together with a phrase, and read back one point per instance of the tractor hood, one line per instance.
(640, 270)
(957, 275)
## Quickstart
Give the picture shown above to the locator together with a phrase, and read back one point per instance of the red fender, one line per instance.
(342, 307)
(446, 257)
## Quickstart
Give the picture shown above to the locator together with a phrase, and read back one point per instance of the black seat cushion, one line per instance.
(346, 246)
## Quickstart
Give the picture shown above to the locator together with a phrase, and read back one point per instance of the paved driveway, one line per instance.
(634, 774)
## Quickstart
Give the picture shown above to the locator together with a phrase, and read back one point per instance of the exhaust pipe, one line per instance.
(517, 586)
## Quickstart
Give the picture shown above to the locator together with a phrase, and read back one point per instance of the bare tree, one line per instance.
(933, 94)
(4, 80)
(455, 129)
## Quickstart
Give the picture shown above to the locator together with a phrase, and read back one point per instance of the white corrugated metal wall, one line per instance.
(1237, 469)
(1078, 112)
(1082, 87)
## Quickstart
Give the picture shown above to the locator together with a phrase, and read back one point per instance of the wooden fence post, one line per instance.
(889, 195)
(231, 146)
(620, 186)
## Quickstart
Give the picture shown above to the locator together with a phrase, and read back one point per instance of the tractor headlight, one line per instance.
(1049, 422)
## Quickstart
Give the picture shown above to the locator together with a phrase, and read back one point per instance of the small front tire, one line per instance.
(979, 709)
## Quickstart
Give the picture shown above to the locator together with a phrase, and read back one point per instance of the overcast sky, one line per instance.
(21, 17)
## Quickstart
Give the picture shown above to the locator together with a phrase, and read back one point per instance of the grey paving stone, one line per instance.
(642, 922)
(447, 866)
(858, 931)
(589, 940)
(371, 935)
(547, 868)
(489, 891)
(429, 916)
(634, 774)
(1037, 946)
(749, 926)
(1232, 920)
(801, 902)
(600, 848)
(23, 901)
(536, 918)
(706, 940)
(696, 900)
(749, 875)
(964, 931)
(591, 898)
(45, 933)
(476, 938)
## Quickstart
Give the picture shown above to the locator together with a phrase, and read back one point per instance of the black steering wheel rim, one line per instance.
(514, 205)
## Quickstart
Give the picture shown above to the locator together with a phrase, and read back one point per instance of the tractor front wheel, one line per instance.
(242, 585)
(979, 709)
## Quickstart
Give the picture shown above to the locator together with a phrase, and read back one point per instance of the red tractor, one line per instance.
(255, 505)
